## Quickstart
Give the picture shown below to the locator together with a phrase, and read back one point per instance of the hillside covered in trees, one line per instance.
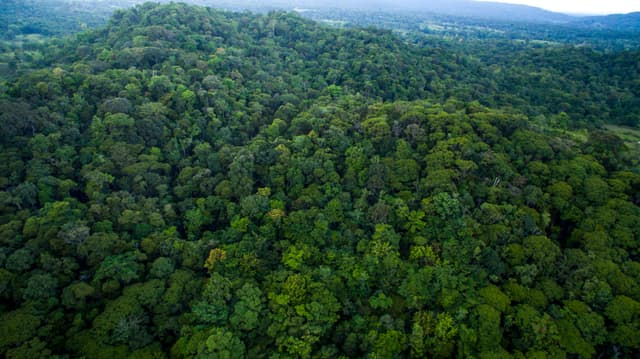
(187, 182)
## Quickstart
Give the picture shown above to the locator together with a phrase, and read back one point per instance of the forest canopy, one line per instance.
(188, 182)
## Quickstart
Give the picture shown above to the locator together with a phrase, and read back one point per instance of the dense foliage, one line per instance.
(50, 17)
(194, 183)
(614, 32)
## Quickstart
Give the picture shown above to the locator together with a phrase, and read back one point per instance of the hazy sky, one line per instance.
(582, 6)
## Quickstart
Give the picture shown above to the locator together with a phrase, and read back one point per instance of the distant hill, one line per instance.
(487, 10)
(465, 8)
(59, 17)
(618, 22)
(461, 8)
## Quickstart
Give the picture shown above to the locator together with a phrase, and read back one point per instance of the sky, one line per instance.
(581, 6)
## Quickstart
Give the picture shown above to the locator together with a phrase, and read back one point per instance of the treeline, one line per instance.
(193, 183)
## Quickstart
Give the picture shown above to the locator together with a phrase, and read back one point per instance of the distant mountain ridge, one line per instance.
(618, 22)
(95, 11)
(461, 8)
(482, 9)
(464, 8)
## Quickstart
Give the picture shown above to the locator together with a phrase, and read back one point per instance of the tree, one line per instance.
(116, 270)
(215, 342)
(248, 309)
(20, 260)
(19, 326)
(41, 288)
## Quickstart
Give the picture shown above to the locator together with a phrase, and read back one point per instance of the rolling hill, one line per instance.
(186, 182)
